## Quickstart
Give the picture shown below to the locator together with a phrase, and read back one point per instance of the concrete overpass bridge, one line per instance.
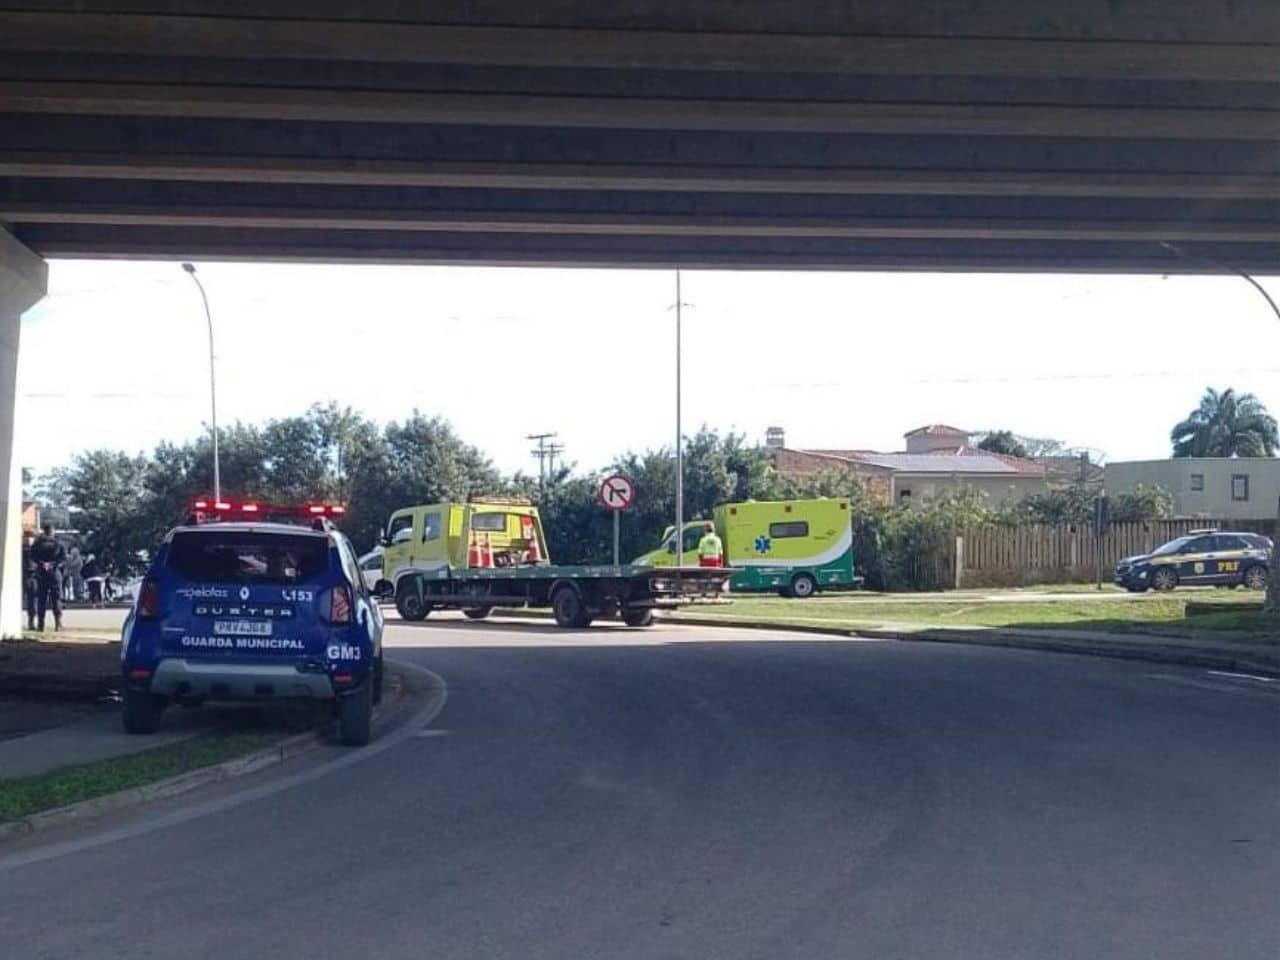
(942, 134)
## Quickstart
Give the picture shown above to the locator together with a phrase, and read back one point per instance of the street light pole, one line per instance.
(1178, 251)
(679, 442)
(213, 390)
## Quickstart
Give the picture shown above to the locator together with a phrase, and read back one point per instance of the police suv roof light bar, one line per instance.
(208, 510)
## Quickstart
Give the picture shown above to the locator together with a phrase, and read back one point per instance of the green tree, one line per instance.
(1055, 508)
(107, 491)
(52, 492)
(1226, 425)
(175, 475)
(1003, 441)
(418, 461)
(1143, 502)
(296, 465)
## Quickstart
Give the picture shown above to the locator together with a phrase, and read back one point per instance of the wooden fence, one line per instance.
(1020, 556)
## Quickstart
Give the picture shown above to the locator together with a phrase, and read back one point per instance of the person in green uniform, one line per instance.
(710, 549)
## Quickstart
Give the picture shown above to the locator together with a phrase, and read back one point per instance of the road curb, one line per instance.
(276, 754)
(1217, 658)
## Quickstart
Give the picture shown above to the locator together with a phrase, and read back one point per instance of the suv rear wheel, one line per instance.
(142, 710)
(355, 715)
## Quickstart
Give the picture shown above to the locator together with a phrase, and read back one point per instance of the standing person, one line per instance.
(49, 556)
(29, 583)
(710, 549)
(92, 574)
(75, 582)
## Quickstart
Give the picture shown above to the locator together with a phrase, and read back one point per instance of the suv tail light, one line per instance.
(149, 600)
(339, 604)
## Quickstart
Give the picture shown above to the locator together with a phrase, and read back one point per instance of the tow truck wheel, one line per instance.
(409, 604)
(803, 586)
(568, 608)
(142, 711)
(476, 613)
(638, 617)
(355, 716)
(1165, 578)
(1255, 578)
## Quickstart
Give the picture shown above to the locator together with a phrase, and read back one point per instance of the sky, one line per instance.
(116, 355)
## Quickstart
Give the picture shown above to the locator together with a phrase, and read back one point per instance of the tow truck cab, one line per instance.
(485, 532)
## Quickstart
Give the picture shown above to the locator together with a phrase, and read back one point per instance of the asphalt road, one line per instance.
(679, 793)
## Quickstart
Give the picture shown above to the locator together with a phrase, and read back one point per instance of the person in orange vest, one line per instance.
(710, 549)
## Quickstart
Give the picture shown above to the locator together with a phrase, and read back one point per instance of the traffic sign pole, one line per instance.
(616, 493)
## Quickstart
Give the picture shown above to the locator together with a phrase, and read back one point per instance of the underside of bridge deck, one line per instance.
(879, 134)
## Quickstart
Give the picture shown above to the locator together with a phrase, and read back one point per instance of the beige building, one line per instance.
(1214, 488)
(938, 459)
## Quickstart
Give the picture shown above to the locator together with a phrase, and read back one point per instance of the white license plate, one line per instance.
(242, 628)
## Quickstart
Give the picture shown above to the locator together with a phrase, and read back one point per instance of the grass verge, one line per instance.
(23, 796)
(1150, 615)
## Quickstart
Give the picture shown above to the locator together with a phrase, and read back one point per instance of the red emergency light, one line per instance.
(206, 510)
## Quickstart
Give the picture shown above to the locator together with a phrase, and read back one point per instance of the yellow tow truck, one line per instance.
(491, 552)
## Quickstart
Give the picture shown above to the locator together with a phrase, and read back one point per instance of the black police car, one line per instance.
(1201, 558)
(240, 606)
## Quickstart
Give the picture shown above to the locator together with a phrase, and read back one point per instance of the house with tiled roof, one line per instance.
(938, 458)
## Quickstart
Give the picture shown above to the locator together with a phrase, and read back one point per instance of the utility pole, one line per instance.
(679, 434)
(545, 451)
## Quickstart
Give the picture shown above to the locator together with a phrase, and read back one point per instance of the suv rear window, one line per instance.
(248, 557)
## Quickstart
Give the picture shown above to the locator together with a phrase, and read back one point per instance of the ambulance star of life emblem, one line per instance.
(763, 545)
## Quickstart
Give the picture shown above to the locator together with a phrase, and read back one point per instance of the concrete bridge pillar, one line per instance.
(23, 282)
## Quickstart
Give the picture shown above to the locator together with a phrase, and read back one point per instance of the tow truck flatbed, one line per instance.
(575, 594)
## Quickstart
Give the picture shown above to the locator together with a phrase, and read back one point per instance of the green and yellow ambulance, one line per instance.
(794, 547)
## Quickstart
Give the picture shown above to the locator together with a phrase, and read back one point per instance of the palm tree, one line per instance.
(1226, 425)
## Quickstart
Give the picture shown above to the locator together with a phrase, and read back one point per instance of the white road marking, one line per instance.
(412, 727)
(1243, 676)
(1217, 686)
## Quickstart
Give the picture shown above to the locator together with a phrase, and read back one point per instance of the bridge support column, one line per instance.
(23, 281)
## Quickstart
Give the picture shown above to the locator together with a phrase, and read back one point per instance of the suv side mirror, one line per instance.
(383, 539)
(671, 548)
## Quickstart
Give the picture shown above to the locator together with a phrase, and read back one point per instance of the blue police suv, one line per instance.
(246, 603)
